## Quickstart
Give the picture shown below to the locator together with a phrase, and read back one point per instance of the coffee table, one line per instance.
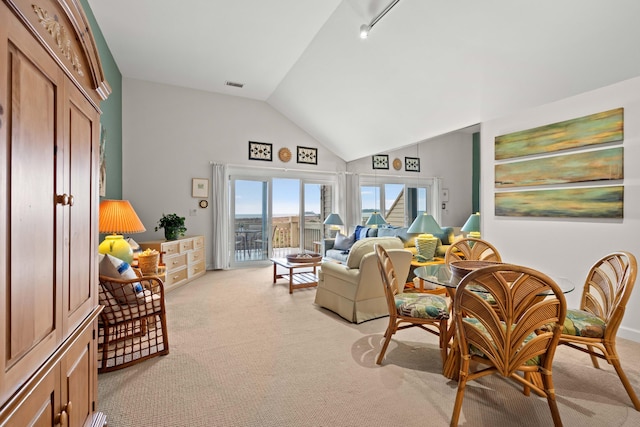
(297, 279)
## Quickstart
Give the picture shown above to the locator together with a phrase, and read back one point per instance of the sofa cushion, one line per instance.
(400, 232)
(365, 246)
(115, 268)
(447, 236)
(343, 242)
(362, 232)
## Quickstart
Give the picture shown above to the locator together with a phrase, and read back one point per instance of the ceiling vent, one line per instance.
(234, 84)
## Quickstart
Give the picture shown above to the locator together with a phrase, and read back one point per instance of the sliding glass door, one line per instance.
(250, 221)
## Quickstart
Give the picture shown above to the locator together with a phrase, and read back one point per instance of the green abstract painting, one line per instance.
(569, 168)
(583, 202)
(584, 131)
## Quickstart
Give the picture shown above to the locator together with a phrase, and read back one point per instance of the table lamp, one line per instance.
(426, 242)
(375, 220)
(118, 217)
(472, 226)
(334, 222)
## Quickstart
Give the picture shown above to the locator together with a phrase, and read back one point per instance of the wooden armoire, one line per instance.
(51, 86)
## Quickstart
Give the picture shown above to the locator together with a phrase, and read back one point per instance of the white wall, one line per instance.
(448, 157)
(171, 134)
(568, 247)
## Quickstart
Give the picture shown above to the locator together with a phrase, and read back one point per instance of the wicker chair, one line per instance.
(133, 323)
(471, 249)
(407, 310)
(604, 299)
(511, 342)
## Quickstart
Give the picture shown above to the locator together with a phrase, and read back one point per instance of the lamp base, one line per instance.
(474, 234)
(116, 246)
(426, 245)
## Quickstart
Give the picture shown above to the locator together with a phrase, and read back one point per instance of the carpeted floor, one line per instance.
(244, 352)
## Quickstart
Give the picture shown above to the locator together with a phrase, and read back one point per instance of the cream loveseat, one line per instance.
(354, 290)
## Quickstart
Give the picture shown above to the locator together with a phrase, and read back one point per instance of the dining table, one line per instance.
(440, 275)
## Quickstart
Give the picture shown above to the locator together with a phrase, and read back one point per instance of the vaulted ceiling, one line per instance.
(429, 67)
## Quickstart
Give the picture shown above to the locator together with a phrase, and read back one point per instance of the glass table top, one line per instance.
(441, 275)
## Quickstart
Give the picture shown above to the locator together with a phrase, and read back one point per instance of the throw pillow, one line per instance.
(343, 242)
(115, 268)
(361, 232)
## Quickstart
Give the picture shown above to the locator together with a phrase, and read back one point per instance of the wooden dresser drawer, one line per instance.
(175, 277)
(198, 242)
(186, 245)
(171, 248)
(195, 256)
(175, 262)
(196, 269)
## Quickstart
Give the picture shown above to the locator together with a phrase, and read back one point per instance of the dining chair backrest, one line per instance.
(471, 249)
(608, 287)
(508, 334)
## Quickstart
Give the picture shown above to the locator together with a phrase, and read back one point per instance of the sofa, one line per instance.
(354, 289)
(338, 249)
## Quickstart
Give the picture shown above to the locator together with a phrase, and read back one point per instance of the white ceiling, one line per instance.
(429, 67)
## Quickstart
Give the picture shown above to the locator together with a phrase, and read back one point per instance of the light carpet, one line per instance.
(245, 352)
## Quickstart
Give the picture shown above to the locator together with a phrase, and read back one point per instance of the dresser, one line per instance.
(51, 86)
(184, 259)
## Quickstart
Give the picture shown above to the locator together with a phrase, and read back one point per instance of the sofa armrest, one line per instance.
(328, 244)
(340, 272)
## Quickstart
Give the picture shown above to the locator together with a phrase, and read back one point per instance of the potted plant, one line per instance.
(173, 226)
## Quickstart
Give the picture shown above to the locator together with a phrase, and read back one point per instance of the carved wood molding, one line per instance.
(61, 37)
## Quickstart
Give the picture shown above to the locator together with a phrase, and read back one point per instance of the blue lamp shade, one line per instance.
(376, 219)
(424, 224)
(472, 226)
(333, 219)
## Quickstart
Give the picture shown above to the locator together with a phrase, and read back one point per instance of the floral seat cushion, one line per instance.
(422, 306)
(581, 323)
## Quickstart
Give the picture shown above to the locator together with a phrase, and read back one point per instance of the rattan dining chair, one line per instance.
(509, 343)
(593, 328)
(471, 249)
(406, 310)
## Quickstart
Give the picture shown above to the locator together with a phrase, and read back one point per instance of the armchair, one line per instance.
(355, 290)
(133, 324)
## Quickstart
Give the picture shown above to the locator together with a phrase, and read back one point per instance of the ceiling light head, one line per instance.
(364, 31)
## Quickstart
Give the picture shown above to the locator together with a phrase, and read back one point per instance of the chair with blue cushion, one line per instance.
(593, 328)
(407, 310)
(506, 337)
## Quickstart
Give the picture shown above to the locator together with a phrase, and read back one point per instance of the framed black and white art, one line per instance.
(308, 155)
(380, 161)
(412, 164)
(260, 151)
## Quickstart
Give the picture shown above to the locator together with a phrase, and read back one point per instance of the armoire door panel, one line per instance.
(31, 280)
(83, 120)
(78, 374)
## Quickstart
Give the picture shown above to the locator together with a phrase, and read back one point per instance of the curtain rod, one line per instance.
(277, 169)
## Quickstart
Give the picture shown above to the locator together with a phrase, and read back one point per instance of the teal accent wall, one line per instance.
(475, 174)
(111, 118)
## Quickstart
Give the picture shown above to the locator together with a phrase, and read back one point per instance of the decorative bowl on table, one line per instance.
(459, 269)
(303, 258)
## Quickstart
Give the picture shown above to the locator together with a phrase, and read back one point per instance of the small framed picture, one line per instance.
(412, 164)
(380, 161)
(308, 155)
(260, 151)
(200, 188)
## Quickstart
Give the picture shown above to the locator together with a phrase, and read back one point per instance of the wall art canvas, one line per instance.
(581, 202)
(597, 165)
(260, 151)
(584, 131)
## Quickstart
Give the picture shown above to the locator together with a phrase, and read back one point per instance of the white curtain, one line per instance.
(353, 205)
(220, 217)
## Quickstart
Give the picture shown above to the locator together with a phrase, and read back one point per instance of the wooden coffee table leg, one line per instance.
(291, 280)
(275, 268)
